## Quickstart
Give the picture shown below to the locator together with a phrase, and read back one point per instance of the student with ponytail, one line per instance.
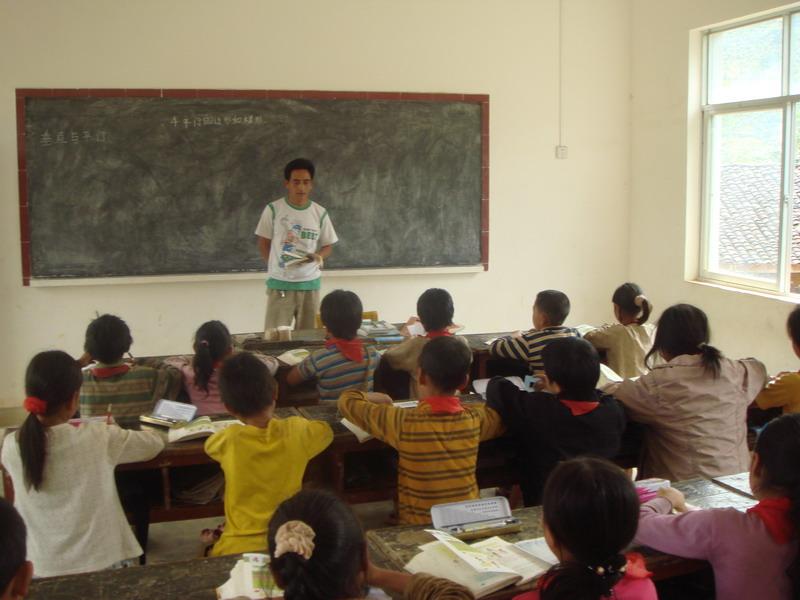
(212, 344)
(753, 553)
(589, 514)
(64, 475)
(694, 401)
(318, 552)
(627, 342)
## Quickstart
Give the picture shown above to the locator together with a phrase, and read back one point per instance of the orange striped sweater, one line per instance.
(437, 452)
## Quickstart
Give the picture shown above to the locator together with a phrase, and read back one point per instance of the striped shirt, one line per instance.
(133, 393)
(437, 452)
(335, 374)
(528, 348)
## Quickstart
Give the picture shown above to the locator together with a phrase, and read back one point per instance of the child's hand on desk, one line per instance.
(379, 398)
(676, 497)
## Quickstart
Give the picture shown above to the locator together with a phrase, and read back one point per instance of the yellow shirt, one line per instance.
(785, 392)
(437, 452)
(263, 467)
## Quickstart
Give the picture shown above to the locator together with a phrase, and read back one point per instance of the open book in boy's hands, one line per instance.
(199, 428)
(483, 567)
(291, 258)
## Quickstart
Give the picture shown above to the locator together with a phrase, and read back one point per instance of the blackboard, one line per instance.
(119, 184)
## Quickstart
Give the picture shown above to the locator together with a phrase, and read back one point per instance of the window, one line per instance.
(751, 175)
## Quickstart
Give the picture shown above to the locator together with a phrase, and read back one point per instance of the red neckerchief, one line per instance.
(352, 350)
(578, 407)
(105, 372)
(774, 512)
(216, 364)
(450, 405)
(431, 335)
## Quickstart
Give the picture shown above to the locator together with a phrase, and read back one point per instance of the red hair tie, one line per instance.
(34, 405)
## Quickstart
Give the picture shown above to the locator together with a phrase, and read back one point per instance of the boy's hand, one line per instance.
(404, 329)
(379, 398)
(315, 258)
(676, 497)
(85, 360)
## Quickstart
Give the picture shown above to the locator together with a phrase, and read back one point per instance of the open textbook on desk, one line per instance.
(483, 567)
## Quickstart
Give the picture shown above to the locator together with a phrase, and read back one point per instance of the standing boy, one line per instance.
(264, 459)
(784, 389)
(435, 312)
(569, 418)
(295, 236)
(345, 363)
(437, 442)
(550, 310)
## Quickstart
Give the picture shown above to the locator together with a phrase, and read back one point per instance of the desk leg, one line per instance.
(166, 487)
(338, 472)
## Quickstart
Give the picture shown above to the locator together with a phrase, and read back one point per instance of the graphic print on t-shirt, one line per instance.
(297, 242)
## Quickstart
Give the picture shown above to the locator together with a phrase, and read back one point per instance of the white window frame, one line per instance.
(789, 105)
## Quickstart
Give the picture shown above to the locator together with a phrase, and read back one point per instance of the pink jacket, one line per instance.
(747, 562)
(696, 423)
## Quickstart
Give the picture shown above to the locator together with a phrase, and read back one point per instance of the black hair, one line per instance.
(340, 312)
(332, 572)
(107, 339)
(554, 305)
(683, 329)
(13, 549)
(211, 343)
(53, 377)
(778, 450)
(592, 510)
(446, 361)
(435, 309)
(573, 364)
(245, 385)
(793, 325)
(625, 297)
(298, 164)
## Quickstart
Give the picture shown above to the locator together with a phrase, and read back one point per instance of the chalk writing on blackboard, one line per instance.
(72, 137)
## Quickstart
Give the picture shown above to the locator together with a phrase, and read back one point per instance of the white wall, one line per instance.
(560, 224)
(665, 172)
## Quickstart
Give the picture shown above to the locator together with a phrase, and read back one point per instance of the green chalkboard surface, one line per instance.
(126, 186)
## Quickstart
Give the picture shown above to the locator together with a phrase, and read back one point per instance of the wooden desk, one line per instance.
(188, 579)
(390, 548)
(393, 547)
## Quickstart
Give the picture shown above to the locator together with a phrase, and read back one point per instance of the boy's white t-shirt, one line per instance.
(298, 231)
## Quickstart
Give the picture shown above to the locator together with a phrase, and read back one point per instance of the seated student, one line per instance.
(64, 475)
(15, 571)
(569, 418)
(345, 363)
(550, 310)
(212, 344)
(589, 517)
(263, 460)
(435, 311)
(753, 553)
(784, 390)
(626, 343)
(440, 428)
(694, 404)
(318, 552)
(131, 390)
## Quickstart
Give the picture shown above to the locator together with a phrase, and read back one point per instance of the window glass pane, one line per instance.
(744, 194)
(794, 254)
(794, 55)
(745, 63)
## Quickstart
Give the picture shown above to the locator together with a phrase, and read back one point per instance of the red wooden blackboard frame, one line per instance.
(23, 93)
